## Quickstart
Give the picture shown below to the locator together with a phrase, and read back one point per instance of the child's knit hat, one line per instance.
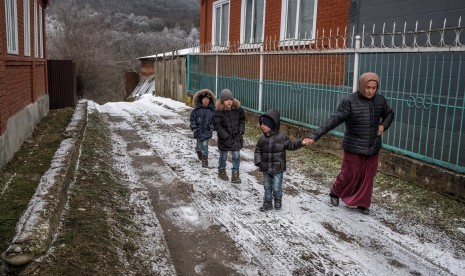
(267, 121)
(226, 94)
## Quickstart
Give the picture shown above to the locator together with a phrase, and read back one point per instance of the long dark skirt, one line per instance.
(354, 184)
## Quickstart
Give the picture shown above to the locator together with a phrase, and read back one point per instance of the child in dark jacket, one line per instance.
(201, 122)
(270, 157)
(229, 123)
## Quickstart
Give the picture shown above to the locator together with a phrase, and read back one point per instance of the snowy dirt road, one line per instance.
(197, 224)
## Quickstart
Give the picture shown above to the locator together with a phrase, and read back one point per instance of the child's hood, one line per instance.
(275, 116)
(197, 99)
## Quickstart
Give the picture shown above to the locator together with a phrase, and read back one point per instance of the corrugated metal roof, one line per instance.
(180, 52)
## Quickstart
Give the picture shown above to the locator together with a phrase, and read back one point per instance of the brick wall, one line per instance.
(147, 68)
(331, 14)
(23, 79)
(206, 17)
(40, 83)
(18, 90)
(272, 19)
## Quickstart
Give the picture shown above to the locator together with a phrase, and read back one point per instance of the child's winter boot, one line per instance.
(205, 161)
(277, 203)
(199, 155)
(267, 205)
(235, 178)
(222, 174)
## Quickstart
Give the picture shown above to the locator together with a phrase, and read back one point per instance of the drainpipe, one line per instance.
(260, 86)
(356, 64)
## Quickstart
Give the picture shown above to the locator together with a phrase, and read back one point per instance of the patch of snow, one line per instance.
(35, 211)
(7, 184)
(188, 218)
(307, 235)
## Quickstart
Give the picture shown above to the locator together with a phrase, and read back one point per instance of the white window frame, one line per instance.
(11, 18)
(36, 31)
(27, 27)
(217, 4)
(284, 11)
(243, 25)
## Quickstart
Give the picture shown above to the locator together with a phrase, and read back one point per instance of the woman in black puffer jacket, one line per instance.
(366, 115)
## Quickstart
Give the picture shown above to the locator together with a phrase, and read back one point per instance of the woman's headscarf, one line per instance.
(366, 77)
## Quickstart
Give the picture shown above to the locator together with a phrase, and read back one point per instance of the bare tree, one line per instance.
(104, 46)
(80, 35)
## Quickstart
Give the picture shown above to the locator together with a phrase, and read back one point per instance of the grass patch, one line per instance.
(20, 177)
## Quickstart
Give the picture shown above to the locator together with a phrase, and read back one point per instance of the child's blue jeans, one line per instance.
(236, 157)
(273, 184)
(202, 146)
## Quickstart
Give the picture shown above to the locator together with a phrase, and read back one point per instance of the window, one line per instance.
(221, 23)
(11, 17)
(252, 21)
(298, 19)
(41, 33)
(27, 27)
(36, 31)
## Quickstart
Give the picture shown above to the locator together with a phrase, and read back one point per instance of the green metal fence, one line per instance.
(424, 84)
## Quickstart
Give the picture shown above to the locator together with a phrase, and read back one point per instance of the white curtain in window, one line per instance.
(305, 19)
(225, 24)
(41, 33)
(299, 19)
(254, 21)
(221, 27)
(36, 31)
(11, 26)
(248, 20)
(292, 18)
(27, 27)
(218, 25)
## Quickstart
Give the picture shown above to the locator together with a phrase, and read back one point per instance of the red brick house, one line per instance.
(23, 72)
(255, 21)
(277, 24)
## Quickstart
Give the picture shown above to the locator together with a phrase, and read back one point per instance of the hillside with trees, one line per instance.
(104, 38)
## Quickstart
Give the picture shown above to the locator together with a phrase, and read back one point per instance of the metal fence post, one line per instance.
(188, 73)
(216, 75)
(260, 85)
(356, 64)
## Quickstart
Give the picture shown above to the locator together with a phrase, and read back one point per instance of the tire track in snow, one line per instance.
(152, 237)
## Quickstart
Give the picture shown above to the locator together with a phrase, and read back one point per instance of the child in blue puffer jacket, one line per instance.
(201, 122)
